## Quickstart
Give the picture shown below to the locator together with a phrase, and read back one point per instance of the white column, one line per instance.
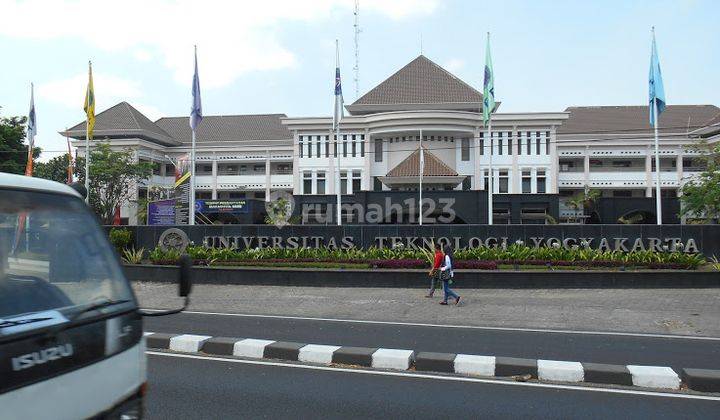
(297, 175)
(477, 183)
(679, 167)
(366, 179)
(533, 180)
(267, 175)
(586, 167)
(554, 181)
(214, 177)
(648, 172)
(514, 174)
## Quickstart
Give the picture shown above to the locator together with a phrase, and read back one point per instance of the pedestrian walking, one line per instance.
(435, 270)
(446, 275)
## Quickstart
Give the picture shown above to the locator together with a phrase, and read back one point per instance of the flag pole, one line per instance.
(337, 139)
(87, 148)
(490, 171)
(421, 169)
(658, 204)
(191, 207)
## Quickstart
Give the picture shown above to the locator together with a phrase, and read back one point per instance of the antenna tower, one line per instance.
(356, 69)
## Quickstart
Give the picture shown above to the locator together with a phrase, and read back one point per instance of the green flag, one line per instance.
(488, 85)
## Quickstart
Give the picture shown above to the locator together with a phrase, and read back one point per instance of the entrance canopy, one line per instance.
(436, 174)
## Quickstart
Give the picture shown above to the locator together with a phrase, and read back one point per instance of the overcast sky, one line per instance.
(277, 56)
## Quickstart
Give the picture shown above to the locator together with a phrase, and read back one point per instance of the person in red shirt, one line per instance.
(435, 270)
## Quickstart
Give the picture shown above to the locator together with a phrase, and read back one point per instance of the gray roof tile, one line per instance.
(421, 82)
(122, 116)
(224, 128)
(411, 166)
(634, 119)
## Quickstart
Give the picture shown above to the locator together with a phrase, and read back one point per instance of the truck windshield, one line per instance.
(55, 262)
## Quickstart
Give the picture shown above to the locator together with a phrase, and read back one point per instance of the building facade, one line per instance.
(537, 161)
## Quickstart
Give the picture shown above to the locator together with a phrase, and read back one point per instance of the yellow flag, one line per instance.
(90, 104)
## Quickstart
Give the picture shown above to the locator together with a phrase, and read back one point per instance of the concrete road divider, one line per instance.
(657, 377)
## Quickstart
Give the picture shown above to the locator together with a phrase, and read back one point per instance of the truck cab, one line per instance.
(71, 339)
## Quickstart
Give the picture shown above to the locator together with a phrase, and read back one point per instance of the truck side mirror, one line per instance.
(184, 278)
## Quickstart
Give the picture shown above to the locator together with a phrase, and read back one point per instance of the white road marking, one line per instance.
(472, 327)
(441, 378)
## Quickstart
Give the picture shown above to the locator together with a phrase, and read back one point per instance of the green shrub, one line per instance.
(121, 239)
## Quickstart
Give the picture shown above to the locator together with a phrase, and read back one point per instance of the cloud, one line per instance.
(142, 55)
(109, 90)
(233, 37)
(453, 65)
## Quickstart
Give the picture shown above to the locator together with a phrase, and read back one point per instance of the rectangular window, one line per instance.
(541, 182)
(500, 144)
(335, 146)
(378, 150)
(528, 138)
(318, 150)
(353, 147)
(509, 142)
(356, 181)
(307, 182)
(465, 150)
(481, 144)
(519, 143)
(622, 193)
(467, 184)
(503, 182)
(547, 142)
(309, 146)
(537, 143)
(526, 182)
(377, 184)
(321, 183)
(300, 145)
(343, 182)
(486, 180)
(362, 145)
(327, 146)
(344, 144)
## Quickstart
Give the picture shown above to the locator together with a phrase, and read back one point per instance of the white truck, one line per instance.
(71, 339)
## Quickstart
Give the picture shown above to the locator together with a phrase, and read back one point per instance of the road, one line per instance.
(188, 388)
(614, 348)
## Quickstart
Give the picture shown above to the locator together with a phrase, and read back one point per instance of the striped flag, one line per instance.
(657, 90)
(70, 163)
(31, 132)
(196, 108)
(89, 106)
(338, 114)
(488, 85)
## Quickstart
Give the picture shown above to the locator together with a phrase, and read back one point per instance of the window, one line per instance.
(309, 146)
(377, 184)
(307, 182)
(362, 145)
(260, 195)
(203, 195)
(467, 183)
(344, 144)
(335, 146)
(503, 182)
(343, 182)
(526, 182)
(500, 144)
(300, 145)
(481, 144)
(547, 142)
(320, 183)
(541, 182)
(327, 146)
(356, 181)
(486, 180)
(528, 138)
(622, 193)
(519, 143)
(318, 145)
(537, 143)
(378, 150)
(236, 195)
(465, 150)
(352, 146)
(509, 142)
(621, 163)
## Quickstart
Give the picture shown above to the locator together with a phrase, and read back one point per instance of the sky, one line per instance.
(277, 56)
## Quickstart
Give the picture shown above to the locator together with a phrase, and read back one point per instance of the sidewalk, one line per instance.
(656, 311)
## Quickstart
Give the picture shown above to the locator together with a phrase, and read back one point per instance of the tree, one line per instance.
(13, 150)
(701, 195)
(582, 200)
(113, 178)
(56, 169)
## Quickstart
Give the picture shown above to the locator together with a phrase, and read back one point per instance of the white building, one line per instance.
(547, 154)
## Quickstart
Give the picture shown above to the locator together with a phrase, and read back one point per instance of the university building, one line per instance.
(537, 160)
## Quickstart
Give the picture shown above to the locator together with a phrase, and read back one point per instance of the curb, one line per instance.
(655, 377)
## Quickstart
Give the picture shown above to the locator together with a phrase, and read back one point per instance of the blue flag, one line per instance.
(657, 91)
(196, 109)
(338, 114)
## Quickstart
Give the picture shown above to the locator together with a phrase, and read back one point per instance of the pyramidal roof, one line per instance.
(421, 84)
(123, 120)
(411, 166)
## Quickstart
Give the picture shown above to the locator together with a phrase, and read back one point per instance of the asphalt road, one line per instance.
(677, 352)
(185, 388)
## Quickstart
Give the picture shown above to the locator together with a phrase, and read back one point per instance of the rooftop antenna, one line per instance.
(356, 68)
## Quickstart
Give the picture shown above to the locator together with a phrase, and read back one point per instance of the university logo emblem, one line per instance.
(173, 238)
(280, 208)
